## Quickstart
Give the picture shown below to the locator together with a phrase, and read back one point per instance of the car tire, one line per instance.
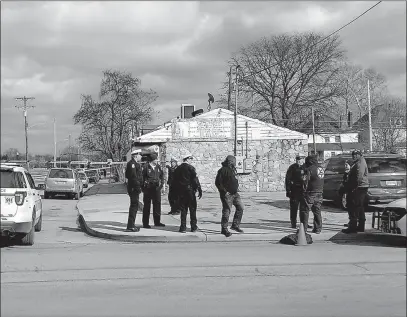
(76, 196)
(28, 239)
(38, 226)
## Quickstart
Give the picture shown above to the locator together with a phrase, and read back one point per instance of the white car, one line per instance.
(21, 204)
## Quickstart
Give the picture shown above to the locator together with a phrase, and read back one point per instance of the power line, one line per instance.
(325, 38)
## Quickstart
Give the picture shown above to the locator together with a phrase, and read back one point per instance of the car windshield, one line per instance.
(60, 173)
(90, 173)
(11, 179)
(386, 165)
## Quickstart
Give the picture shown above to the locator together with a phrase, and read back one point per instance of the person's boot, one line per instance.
(293, 224)
(226, 233)
(237, 229)
(350, 229)
(361, 226)
(182, 230)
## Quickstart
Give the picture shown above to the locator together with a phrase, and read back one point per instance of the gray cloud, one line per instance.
(57, 50)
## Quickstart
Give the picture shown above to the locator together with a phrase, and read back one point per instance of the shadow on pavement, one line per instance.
(121, 227)
(370, 238)
(70, 229)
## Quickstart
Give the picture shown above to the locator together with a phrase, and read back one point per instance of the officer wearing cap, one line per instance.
(358, 185)
(153, 180)
(293, 184)
(185, 185)
(312, 198)
(171, 196)
(133, 174)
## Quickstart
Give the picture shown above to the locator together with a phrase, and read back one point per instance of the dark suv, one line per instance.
(387, 174)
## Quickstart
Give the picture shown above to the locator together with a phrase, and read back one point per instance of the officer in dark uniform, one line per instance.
(358, 186)
(172, 198)
(185, 185)
(133, 174)
(153, 180)
(312, 198)
(293, 184)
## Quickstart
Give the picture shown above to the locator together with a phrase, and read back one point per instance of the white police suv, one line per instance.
(21, 204)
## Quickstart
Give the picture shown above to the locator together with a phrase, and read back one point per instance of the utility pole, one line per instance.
(24, 107)
(313, 130)
(69, 147)
(370, 128)
(235, 110)
(229, 88)
(55, 144)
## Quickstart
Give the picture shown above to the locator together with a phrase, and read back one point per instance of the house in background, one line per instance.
(264, 151)
(389, 128)
(332, 136)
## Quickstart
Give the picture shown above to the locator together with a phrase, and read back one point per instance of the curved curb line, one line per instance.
(136, 239)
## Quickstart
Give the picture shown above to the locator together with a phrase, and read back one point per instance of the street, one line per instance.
(67, 273)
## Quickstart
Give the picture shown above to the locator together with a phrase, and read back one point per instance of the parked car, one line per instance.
(63, 181)
(93, 175)
(84, 179)
(387, 174)
(21, 204)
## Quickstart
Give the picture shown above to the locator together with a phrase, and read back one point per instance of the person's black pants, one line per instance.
(187, 201)
(357, 214)
(311, 201)
(294, 203)
(172, 199)
(134, 205)
(151, 196)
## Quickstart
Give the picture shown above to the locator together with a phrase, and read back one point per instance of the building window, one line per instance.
(333, 153)
(337, 139)
(327, 139)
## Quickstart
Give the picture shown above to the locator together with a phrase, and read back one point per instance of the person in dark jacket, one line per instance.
(153, 181)
(133, 174)
(312, 198)
(344, 189)
(358, 186)
(227, 185)
(172, 197)
(185, 185)
(293, 185)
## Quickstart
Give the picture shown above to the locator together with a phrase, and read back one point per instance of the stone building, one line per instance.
(264, 151)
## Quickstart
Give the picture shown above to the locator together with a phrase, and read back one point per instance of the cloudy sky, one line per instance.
(54, 51)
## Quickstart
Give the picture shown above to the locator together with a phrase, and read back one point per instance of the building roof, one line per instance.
(380, 117)
(336, 146)
(324, 124)
(246, 127)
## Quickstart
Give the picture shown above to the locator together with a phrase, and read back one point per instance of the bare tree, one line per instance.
(353, 95)
(390, 126)
(108, 123)
(282, 74)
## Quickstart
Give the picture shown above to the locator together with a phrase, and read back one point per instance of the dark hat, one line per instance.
(152, 157)
(356, 152)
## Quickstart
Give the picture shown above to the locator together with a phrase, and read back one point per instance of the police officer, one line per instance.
(344, 189)
(293, 184)
(172, 197)
(133, 174)
(153, 180)
(185, 185)
(312, 198)
(358, 186)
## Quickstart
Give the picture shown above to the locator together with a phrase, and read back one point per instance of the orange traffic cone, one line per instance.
(301, 235)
